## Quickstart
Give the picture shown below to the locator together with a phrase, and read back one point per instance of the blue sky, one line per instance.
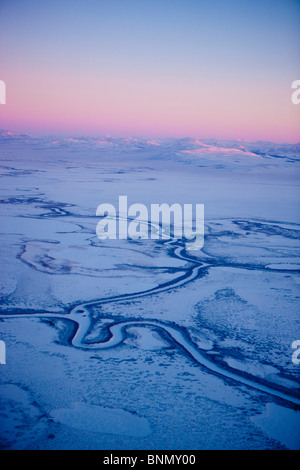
(195, 48)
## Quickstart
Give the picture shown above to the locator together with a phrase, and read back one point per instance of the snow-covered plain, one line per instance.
(139, 344)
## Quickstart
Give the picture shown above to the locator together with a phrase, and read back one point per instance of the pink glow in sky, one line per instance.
(157, 107)
(198, 73)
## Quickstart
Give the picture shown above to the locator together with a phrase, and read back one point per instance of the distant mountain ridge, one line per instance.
(159, 146)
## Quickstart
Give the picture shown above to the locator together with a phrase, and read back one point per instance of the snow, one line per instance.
(195, 346)
(97, 419)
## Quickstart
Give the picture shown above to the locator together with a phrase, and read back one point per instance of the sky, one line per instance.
(151, 68)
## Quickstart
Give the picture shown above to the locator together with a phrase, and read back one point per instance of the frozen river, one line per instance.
(141, 344)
